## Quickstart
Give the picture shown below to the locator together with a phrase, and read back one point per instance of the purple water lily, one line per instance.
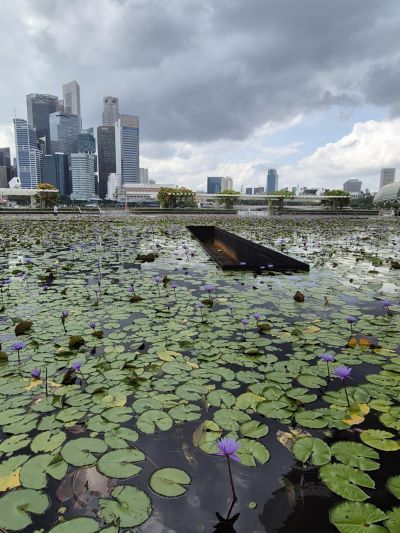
(351, 320)
(35, 373)
(64, 314)
(17, 347)
(228, 447)
(386, 304)
(209, 289)
(327, 358)
(76, 365)
(92, 325)
(256, 316)
(342, 373)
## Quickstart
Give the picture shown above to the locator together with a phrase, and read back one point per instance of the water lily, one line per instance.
(343, 372)
(256, 316)
(35, 373)
(351, 320)
(64, 316)
(173, 287)
(209, 289)
(92, 325)
(228, 447)
(17, 347)
(245, 322)
(327, 358)
(76, 365)
(157, 280)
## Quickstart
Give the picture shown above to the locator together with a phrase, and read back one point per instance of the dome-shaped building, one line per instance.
(389, 195)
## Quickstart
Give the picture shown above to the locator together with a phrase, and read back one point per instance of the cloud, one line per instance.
(370, 146)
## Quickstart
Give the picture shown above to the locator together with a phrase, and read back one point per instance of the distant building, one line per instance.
(388, 175)
(144, 175)
(214, 184)
(83, 178)
(5, 161)
(110, 110)
(226, 183)
(113, 186)
(55, 170)
(272, 181)
(64, 129)
(258, 190)
(249, 190)
(352, 185)
(127, 148)
(106, 156)
(60, 106)
(29, 158)
(39, 107)
(72, 100)
(86, 141)
(3, 177)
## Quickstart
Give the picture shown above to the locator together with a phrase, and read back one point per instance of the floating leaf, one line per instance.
(33, 472)
(254, 429)
(393, 484)
(79, 452)
(47, 441)
(16, 508)
(9, 472)
(150, 420)
(346, 481)
(393, 520)
(129, 508)
(169, 481)
(252, 451)
(119, 463)
(355, 517)
(355, 454)
(381, 440)
(81, 524)
(305, 448)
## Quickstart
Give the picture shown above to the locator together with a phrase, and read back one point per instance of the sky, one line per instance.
(222, 87)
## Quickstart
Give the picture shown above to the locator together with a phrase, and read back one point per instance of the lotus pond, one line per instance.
(127, 356)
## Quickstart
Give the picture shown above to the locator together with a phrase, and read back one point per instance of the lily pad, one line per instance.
(17, 506)
(169, 481)
(355, 454)
(129, 507)
(79, 452)
(77, 525)
(355, 517)
(381, 440)
(120, 463)
(311, 448)
(346, 481)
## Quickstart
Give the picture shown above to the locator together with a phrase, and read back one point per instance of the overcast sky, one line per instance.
(222, 87)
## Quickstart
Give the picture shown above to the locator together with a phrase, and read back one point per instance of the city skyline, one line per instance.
(318, 108)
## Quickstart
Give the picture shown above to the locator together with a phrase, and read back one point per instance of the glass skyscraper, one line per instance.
(106, 156)
(110, 111)
(83, 179)
(214, 185)
(5, 161)
(127, 148)
(272, 180)
(64, 129)
(55, 170)
(39, 107)
(28, 156)
(86, 141)
(72, 100)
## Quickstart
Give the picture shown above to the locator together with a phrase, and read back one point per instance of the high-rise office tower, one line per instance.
(3, 177)
(144, 175)
(64, 129)
(72, 99)
(272, 180)
(5, 161)
(352, 185)
(60, 106)
(83, 179)
(226, 183)
(388, 175)
(28, 155)
(110, 110)
(39, 107)
(106, 156)
(127, 148)
(214, 184)
(55, 170)
(86, 141)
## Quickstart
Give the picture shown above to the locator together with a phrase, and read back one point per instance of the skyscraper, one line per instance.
(226, 183)
(64, 129)
(5, 161)
(55, 170)
(110, 110)
(86, 141)
(106, 156)
(83, 179)
(3, 177)
(388, 175)
(28, 156)
(214, 184)
(144, 175)
(352, 185)
(127, 148)
(72, 99)
(272, 180)
(39, 107)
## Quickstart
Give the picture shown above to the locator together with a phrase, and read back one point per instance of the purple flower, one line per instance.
(208, 288)
(199, 305)
(386, 304)
(92, 325)
(327, 358)
(228, 447)
(35, 373)
(245, 321)
(351, 319)
(76, 365)
(157, 279)
(342, 372)
(130, 289)
(17, 346)
(173, 285)
(256, 316)
(64, 314)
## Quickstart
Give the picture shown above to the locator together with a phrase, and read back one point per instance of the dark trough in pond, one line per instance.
(232, 252)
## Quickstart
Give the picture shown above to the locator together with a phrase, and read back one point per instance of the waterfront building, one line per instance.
(127, 148)
(5, 161)
(106, 156)
(29, 158)
(83, 177)
(3, 177)
(110, 110)
(64, 129)
(214, 184)
(39, 107)
(272, 181)
(352, 185)
(55, 170)
(72, 100)
(388, 175)
(144, 175)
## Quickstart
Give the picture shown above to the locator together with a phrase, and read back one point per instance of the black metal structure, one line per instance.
(232, 252)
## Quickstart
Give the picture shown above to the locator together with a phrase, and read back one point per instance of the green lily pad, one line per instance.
(346, 481)
(120, 463)
(306, 448)
(79, 452)
(381, 440)
(47, 441)
(17, 506)
(252, 452)
(393, 520)
(393, 484)
(129, 507)
(77, 525)
(355, 454)
(150, 420)
(169, 481)
(355, 517)
(34, 472)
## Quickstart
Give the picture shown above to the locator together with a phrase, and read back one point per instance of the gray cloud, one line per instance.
(201, 70)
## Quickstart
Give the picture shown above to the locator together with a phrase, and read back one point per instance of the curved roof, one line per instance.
(388, 193)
